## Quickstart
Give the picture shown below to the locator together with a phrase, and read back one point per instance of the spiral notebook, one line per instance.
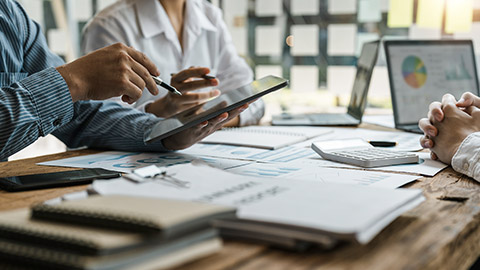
(266, 137)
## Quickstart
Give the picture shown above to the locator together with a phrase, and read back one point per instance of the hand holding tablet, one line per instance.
(214, 111)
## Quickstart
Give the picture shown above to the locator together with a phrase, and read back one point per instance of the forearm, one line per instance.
(108, 125)
(467, 158)
(33, 107)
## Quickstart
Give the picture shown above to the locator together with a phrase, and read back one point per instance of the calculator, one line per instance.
(360, 153)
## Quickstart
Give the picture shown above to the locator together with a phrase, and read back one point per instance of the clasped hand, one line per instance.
(448, 123)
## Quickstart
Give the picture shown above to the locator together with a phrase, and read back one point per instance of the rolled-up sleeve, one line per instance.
(467, 158)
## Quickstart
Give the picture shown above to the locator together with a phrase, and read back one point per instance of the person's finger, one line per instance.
(196, 84)
(433, 156)
(196, 72)
(203, 124)
(131, 93)
(144, 74)
(468, 99)
(472, 110)
(219, 119)
(193, 98)
(426, 142)
(435, 111)
(449, 106)
(143, 60)
(426, 126)
(448, 99)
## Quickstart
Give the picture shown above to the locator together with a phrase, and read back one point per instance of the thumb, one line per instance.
(468, 99)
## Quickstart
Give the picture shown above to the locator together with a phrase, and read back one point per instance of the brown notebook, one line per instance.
(178, 251)
(170, 218)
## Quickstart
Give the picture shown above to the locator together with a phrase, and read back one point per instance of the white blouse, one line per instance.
(467, 158)
(144, 25)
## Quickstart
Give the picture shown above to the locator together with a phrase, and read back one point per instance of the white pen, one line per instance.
(170, 88)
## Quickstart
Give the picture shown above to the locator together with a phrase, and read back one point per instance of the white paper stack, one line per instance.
(302, 210)
(266, 137)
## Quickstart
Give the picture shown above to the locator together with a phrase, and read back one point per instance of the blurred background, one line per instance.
(313, 43)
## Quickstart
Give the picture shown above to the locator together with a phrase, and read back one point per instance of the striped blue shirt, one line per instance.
(35, 100)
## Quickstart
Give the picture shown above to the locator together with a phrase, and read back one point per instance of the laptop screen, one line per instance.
(366, 63)
(423, 71)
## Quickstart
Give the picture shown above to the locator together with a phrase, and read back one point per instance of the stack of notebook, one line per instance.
(110, 232)
(284, 212)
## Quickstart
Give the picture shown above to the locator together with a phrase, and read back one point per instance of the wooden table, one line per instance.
(441, 233)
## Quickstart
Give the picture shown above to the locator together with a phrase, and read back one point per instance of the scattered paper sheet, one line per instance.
(400, 13)
(126, 162)
(426, 166)
(407, 142)
(314, 170)
(284, 154)
(345, 209)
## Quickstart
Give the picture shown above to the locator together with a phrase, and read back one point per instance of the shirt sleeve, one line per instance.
(108, 125)
(233, 72)
(467, 158)
(32, 107)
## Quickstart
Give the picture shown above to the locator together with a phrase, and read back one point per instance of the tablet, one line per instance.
(58, 179)
(225, 102)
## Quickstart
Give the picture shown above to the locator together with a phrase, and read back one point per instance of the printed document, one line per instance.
(345, 211)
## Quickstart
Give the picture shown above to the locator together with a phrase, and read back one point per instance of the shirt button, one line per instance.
(465, 166)
(57, 122)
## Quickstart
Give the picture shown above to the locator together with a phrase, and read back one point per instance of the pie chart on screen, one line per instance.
(414, 71)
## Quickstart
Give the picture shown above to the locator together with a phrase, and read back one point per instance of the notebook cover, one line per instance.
(153, 257)
(17, 225)
(170, 218)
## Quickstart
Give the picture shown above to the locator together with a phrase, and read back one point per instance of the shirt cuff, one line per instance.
(147, 129)
(467, 156)
(51, 98)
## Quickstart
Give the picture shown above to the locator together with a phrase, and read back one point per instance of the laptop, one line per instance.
(358, 98)
(422, 71)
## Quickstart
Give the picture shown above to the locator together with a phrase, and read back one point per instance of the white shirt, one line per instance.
(144, 25)
(467, 158)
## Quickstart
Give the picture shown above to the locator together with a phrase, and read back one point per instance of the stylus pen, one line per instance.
(170, 88)
(382, 143)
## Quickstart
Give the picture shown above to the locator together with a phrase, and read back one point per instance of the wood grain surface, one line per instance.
(441, 233)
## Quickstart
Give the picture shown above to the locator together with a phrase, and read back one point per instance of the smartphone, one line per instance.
(58, 179)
